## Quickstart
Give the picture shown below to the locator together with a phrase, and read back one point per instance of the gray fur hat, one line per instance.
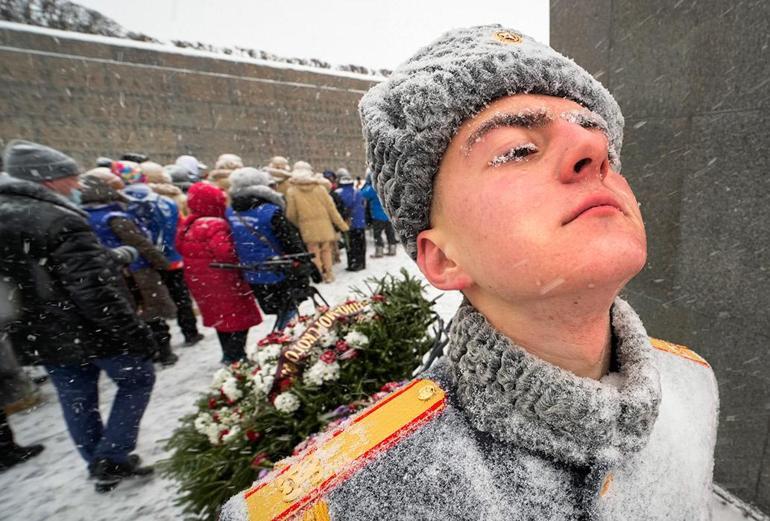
(409, 119)
(248, 176)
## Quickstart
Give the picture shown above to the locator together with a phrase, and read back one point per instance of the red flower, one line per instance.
(222, 433)
(284, 384)
(379, 396)
(212, 403)
(259, 459)
(215, 417)
(328, 356)
(350, 301)
(253, 436)
(378, 298)
(341, 346)
(390, 387)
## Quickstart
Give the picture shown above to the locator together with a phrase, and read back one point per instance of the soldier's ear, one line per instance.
(438, 267)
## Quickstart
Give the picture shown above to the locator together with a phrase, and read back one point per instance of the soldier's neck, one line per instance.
(573, 334)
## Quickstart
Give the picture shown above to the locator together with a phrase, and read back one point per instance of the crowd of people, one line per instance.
(95, 263)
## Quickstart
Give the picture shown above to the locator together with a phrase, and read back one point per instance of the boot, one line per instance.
(166, 357)
(108, 473)
(16, 454)
(193, 340)
(377, 252)
(391, 250)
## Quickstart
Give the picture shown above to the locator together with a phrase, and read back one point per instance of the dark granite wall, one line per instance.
(693, 80)
(90, 99)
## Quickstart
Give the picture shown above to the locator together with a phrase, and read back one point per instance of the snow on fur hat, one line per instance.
(249, 176)
(409, 119)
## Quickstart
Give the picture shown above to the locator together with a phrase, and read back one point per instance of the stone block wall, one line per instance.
(95, 97)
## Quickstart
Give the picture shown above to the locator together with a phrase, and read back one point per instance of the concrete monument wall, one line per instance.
(693, 80)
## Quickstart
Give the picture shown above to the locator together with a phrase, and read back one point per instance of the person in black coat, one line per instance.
(71, 315)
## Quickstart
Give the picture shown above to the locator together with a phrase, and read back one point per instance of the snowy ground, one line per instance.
(54, 485)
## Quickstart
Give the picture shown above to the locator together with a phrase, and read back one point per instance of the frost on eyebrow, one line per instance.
(527, 118)
(592, 120)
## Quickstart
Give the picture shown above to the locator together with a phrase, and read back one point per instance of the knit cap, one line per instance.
(128, 171)
(409, 119)
(35, 162)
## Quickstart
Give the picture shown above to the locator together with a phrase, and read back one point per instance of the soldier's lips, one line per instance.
(601, 204)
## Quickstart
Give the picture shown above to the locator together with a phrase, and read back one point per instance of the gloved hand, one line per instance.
(124, 254)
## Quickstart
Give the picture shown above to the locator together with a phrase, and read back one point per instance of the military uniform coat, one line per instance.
(493, 433)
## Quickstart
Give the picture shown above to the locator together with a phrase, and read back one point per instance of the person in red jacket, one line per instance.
(225, 299)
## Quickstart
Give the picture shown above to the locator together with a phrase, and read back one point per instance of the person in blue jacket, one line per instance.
(356, 205)
(160, 215)
(115, 226)
(261, 231)
(380, 221)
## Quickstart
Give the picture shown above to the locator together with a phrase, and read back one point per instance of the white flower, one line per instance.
(286, 402)
(263, 379)
(330, 338)
(202, 422)
(356, 339)
(267, 354)
(228, 417)
(212, 431)
(219, 378)
(230, 389)
(231, 434)
(321, 372)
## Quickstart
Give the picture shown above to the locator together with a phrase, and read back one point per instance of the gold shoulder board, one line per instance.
(291, 489)
(678, 350)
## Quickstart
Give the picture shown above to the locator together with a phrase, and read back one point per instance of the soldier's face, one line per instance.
(508, 200)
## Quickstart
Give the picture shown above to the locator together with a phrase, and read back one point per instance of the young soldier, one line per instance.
(498, 161)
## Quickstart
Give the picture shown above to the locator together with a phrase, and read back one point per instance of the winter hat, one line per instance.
(343, 177)
(154, 173)
(249, 176)
(136, 157)
(192, 165)
(96, 190)
(228, 162)
(180, 176)
(128, 171)
(224, 166)
(35, 162)
(103, 161)
(279, 163)
(302, 168)
(409, 119)
(104, 174)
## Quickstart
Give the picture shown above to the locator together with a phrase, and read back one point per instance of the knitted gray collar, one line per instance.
(520, 399)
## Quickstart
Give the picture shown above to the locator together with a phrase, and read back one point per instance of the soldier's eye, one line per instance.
(517, 153)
